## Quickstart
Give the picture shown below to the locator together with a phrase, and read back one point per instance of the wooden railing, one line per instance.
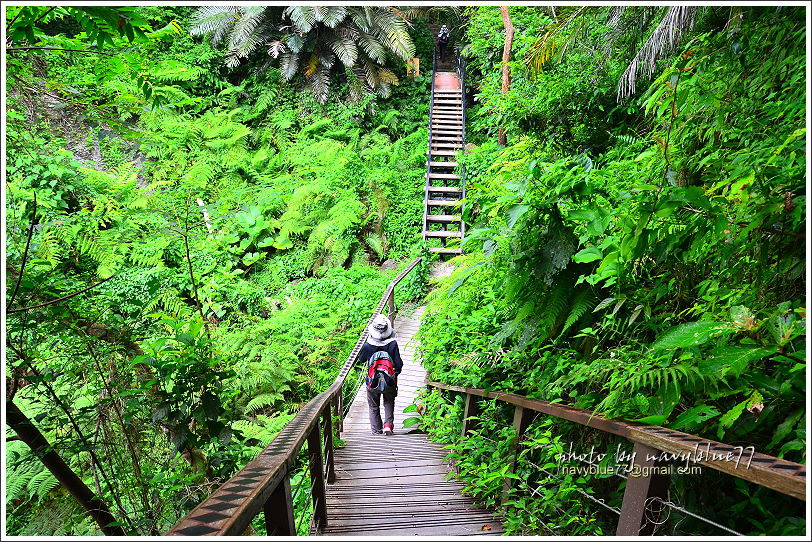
(263, 485)
(643, 492)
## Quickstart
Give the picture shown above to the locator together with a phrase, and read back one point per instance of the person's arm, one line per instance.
(394, 351)
(365, 353)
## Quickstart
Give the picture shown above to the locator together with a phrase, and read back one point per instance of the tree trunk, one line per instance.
(29, 434)
(505, 62)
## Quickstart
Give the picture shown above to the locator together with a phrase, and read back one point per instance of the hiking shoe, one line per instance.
(387, 430)
(377, 432)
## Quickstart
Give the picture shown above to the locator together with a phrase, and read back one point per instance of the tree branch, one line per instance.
(63, 298)
(25, 253)
(12, 49)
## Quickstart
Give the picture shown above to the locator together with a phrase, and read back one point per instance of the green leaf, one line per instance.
(729, 417)
(690, 334)
(694, 418)
(653, 420)
(734, 359)
(411, 422)
(589, 254)
(515, 213)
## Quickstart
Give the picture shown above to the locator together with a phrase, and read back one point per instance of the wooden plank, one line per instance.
(437, 531)
(443, 164)
(443, 218)
(440, 234)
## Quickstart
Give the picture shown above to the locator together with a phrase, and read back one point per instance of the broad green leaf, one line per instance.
(690, 334)
(411, 422)
(588, 254)
(652, 420)
(515, 213)
(733, 358)
(693, 418)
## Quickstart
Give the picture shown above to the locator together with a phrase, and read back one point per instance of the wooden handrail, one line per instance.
(650, 441)
(263, 484)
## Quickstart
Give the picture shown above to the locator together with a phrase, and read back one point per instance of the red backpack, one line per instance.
(380, 371)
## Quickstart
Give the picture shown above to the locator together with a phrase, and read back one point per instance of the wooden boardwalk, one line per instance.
(396, 485)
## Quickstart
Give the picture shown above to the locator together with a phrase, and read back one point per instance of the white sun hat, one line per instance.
(381, 332)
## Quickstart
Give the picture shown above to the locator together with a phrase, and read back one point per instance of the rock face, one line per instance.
(388, 264)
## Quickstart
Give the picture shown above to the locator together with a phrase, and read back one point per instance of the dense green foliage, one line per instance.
(230, 229)
(643, 258)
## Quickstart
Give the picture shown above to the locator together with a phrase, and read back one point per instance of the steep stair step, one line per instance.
(444, 176)
(442, 164)
(456, 140)
(450, 124)
(437, 145)
(442, 234)
(442, 202)
(443, 219)
(446, 189)
(446, 91)
(444, 250)
(443, 153)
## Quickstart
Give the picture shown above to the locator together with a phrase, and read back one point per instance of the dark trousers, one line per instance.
(374, 402)
(442, 50)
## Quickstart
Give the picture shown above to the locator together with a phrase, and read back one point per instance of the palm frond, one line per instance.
(345, 50)
(664, 39)
(302, 17)
(214, 20)
(289, 64)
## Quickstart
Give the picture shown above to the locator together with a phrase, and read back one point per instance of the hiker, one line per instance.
(381, 356)
(442, 41)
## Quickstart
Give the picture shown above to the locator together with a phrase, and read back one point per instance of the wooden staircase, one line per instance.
(442, 217)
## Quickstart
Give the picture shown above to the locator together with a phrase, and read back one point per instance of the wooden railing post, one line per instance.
(471, 410)
(339, 407)
(328, 446)
(521, 420)
(390, 302)
(279, 511)
(637, 515)
(317, 478)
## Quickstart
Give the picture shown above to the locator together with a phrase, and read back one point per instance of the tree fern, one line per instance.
(582, 304)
